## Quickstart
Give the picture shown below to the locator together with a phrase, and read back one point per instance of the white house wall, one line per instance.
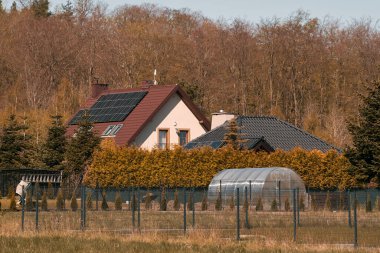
(173, 115)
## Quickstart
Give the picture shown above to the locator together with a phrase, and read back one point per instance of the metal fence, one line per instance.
(317, 217)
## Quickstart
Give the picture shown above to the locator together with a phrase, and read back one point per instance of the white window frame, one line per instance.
(111, 130)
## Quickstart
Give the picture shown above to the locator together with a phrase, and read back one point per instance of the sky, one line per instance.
(255, 10)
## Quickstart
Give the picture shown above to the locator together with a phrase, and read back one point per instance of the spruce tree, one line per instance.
(104, 201)
(232, 136)
(74, 202)
(50, 191)
(14, 145)
(287, 205)
(148, 201)
(204, 205)
(259, 205)
(13, 7)
(81, 147)
(274, 207)
(176, 204)
(365, 153)
(40, 8)
(44, 205)
(59, 201)
(328, 206)
(89, 201)
(118, 202)
(55, 145)
(12, 205)
(163, 204)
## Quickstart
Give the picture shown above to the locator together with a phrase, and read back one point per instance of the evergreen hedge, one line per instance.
(113, 166)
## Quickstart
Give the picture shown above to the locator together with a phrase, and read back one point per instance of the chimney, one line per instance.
(147, 83)
(219, 118)
(98, 88)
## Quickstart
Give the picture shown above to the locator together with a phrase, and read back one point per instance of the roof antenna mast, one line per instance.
(154, 77)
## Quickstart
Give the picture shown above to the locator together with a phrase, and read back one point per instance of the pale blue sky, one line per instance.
(254, 10)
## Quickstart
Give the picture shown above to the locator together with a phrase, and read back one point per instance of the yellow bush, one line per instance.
(130, 166)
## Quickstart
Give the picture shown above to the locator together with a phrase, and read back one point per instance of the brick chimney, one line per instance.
(220, 117)
(98, 88)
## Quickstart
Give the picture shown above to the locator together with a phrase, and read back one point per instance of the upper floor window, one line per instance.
(163, 138)
(183, 136)
(111, 130)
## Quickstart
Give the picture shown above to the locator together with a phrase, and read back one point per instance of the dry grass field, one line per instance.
(214, 231)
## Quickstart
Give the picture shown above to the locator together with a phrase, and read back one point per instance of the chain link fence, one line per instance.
(310, 217)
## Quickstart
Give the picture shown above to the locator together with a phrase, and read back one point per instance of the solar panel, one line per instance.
(111, 107)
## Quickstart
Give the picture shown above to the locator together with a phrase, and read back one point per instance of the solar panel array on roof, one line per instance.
(111, 107)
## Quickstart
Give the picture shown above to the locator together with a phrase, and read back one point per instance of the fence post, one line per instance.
(237, 216)
(246, 207)
(220, 194)
(298, 206)
(250, 194)
(97, 196)
(133, 200)
(81, 207)
(184, 211)
(37, 211)
(22, 209)
(138, 208)
(349, 208)
(279, 195)
(193, 206)
(84, 207)
(355, 222)
(294, 215)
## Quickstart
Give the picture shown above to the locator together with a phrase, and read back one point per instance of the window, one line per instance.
(111, 130)
(163, 138)
(183, 136)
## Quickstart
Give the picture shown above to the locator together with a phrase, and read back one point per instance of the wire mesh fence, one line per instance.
(310, 217)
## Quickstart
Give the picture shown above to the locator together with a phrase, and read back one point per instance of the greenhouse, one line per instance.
(265, 185)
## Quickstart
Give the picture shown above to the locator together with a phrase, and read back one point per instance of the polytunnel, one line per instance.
(257, 184)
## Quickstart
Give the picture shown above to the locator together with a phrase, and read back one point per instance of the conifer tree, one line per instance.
(328, 206)
(218, 203)
(259, 205)
(190, 202)
(59, 201)
(287, 205)
(12, 205)
(118, 202)
(28, 201)
(232, 136)
(81, 147)
(89, 201)
(368, 206)
(232, 203)
(50, 191)
(74, 202)
(14, 145)
(55, 145)
(40, 8)
(176, 204)
(273, 206)
(204, 205)
(365, 153)
(44, 205)
(13, 7)
(163, 204)
(104, 201)
(148, 201)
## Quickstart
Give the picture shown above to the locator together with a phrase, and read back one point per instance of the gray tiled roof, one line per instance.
(277, 133)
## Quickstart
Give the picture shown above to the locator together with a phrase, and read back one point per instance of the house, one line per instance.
(260, 133)
(149, 116)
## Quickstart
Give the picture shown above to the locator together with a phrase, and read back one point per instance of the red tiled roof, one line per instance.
(155, 99)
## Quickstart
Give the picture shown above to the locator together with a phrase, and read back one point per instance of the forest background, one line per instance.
(304, 70)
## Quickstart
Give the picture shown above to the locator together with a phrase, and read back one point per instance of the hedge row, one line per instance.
(127, 166)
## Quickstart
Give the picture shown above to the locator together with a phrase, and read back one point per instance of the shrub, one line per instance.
(28, 201)
(287, 205)
(232, 203)
(11, 192)
(218, 203)
(44, 205)
(50, 191)
(368, 206)
(89, 200)
(176, 204)
(59, 203)
(163, 204)
(104, 202)
(190, 202)
(301, 204)
(118, 201)
(328, 202)
(314, 205)
(259, 205)
(148, 200)
(74, 202)
(12, 205)
(273, 206)
(204, 205)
